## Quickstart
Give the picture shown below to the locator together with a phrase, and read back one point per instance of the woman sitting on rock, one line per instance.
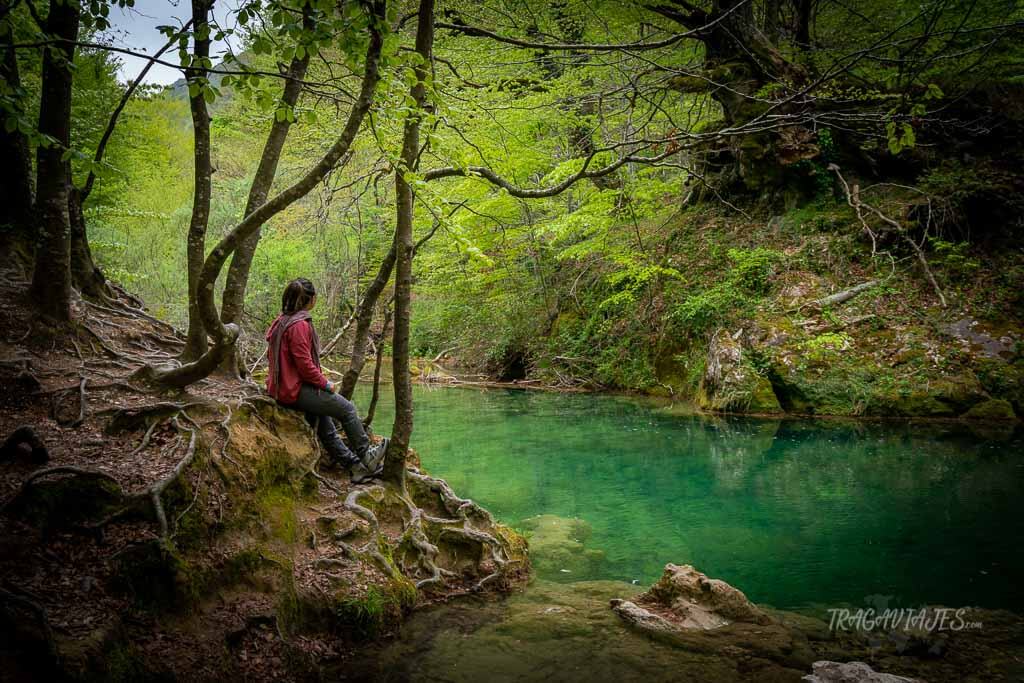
(297, 381)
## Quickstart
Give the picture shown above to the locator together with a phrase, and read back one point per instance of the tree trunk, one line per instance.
(739, 61)
(195, 76)
(85, 274)
(368, 420)
(364, 318)
(233, 300)
(51, 282)
(16, 191)
(226, 335)
(394, 463)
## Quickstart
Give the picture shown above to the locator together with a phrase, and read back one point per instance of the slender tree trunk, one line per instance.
(394, 464)
(195, 76)
(364, 318)
(85, 274)
(16, 191)
(233, 300)
(51, 282)
(372, 409)
(225, 335)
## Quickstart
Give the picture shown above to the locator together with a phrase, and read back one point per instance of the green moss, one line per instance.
(690, 84)
(277, 509)
(763, 398)
(1004, 380)
(378, 609)
(992, 409)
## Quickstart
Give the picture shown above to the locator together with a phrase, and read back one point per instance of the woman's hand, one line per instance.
(333, 387)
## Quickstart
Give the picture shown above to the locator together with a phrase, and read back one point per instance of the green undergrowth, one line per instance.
(640, 312)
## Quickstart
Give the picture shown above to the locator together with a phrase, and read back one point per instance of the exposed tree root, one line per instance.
(145, 438)
(364, 513)
(127, 419)
(417, 548)
(51, 471)
(156, 490)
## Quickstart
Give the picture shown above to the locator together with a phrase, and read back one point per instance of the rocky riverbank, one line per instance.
(199, 536)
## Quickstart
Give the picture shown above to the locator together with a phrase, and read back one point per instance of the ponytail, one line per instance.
(297, 295)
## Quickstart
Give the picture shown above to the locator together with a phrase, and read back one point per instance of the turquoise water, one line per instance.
(801, 515)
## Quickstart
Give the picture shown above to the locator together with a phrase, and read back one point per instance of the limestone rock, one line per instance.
(730, 381)
(643, 619)
(688, 610)
(702, 602)
(851, 672)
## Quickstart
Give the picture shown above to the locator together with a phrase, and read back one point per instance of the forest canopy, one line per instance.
(557, 146)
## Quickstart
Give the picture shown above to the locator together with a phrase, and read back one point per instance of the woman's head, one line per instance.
(298, 295)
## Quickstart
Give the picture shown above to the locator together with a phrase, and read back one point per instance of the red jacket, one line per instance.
(298, 361)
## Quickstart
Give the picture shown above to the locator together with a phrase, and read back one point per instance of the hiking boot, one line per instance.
(372, 465)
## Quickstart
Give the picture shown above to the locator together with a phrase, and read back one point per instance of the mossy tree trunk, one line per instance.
(85, 274)
(394, 464)
(51, 281)
(741, 60)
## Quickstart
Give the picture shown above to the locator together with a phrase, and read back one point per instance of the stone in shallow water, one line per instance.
(851, 672)
(698, 601)
(558, 547)
(690, 611)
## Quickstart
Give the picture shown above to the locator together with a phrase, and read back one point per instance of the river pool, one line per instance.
(801, 515)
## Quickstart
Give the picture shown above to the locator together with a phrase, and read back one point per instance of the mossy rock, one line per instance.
(1004, 380)
(959, 391)
(557, 546)
(731, 383)
(992, 409)
(763, 398)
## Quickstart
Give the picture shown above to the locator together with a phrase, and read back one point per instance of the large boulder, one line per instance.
(730, 382)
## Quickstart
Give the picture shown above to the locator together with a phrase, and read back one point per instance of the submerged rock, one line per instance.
(558, 547)
(851, 672)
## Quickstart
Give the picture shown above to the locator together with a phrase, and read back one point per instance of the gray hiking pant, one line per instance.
(322, 408)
